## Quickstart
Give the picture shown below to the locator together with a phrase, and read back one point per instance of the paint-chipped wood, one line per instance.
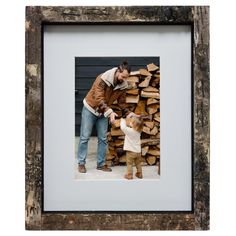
(35, 218)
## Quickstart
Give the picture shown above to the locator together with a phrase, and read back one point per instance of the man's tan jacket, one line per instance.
(103, 93)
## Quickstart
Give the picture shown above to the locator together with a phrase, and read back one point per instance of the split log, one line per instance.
(140, 109)
(150, 94)
(157, 136)
(144, 72)
(151, 101)
(116, 132)
(157, 75)
(112, 153)
(151, 160)
(146, 130)
(154, 152)
(150, 142)
(132, 98)
(134, 79)
(134, 73)
(149, 124)
(109, 157)
(154, 83)
(152, 67)
(150, 89)
(132, 91)
(157, 117)
(152, 109)
(154, 131)
(145, 83)
(119, 143)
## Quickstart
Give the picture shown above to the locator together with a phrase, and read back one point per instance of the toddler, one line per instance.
(132, 129)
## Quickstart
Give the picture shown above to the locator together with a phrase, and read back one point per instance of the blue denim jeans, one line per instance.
(88, 120)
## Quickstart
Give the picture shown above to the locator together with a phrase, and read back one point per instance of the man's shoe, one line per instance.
(82, 169)
(104, 168)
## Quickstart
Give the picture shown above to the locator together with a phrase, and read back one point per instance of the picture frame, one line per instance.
(36, 18)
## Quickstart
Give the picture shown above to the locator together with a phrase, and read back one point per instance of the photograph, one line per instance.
(117, 118)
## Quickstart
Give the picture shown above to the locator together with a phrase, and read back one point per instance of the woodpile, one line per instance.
(143, 98)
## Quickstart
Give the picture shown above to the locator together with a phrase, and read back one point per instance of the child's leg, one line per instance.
(137, 162)
(129, 162)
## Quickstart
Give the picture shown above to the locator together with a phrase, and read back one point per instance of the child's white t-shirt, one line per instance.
(132, 138)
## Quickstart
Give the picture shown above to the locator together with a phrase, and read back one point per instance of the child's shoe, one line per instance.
(128, 176)
(139, 175)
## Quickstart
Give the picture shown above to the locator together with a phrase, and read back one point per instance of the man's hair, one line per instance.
(137, 124)
(124, 66)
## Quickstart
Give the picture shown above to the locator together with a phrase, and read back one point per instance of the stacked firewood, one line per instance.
(143, 98)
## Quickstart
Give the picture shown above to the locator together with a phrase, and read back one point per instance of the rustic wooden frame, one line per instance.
(36, 17)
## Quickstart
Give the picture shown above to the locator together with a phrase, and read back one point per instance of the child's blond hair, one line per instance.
(137, 124)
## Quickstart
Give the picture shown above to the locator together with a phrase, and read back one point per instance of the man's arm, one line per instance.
(102, 105)
(100, 98)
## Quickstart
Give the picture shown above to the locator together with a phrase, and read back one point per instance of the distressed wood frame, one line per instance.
(35, 218)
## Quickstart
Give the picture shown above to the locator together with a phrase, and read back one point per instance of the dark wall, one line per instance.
(88, 68)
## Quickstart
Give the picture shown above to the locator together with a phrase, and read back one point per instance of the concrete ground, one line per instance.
(149, 172)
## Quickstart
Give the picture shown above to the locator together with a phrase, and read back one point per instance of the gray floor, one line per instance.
(149, 172)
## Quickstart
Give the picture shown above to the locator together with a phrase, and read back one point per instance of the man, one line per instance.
(108, 87)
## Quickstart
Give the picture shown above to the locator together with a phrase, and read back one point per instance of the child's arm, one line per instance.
(123, 126)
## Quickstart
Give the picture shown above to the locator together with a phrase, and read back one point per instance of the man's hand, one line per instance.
(112, 117)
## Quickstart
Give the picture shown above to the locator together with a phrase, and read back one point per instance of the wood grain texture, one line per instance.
(35, 218)
(201, 117)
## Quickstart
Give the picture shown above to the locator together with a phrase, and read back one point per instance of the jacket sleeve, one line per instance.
(100, 88)
(123, 105)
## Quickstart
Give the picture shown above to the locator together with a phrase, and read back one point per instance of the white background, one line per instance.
(222, 113)
(172, 192)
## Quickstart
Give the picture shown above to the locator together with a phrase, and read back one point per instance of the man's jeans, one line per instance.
(87, 122)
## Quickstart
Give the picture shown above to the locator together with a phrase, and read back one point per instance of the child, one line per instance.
(132, 145)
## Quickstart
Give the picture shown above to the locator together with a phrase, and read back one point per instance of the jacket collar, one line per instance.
(108, 78)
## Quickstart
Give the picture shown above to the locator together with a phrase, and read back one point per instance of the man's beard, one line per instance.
(119, 81)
